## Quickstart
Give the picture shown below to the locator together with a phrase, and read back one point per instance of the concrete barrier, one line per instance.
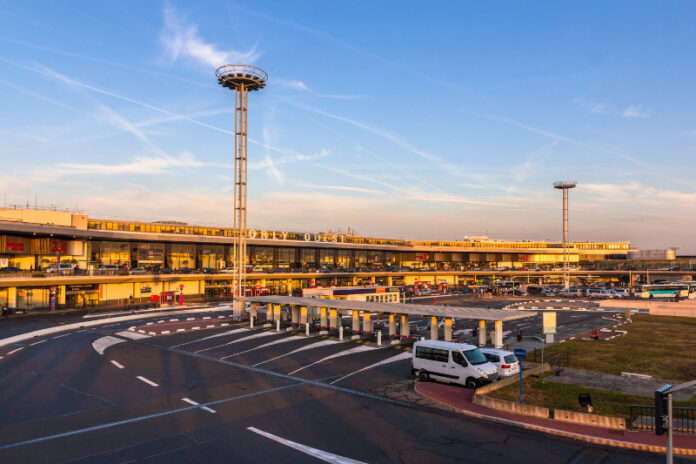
(511, 406)
(684, 308)
(607, 422)
(536, 370)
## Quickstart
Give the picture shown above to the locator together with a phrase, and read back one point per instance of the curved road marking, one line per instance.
(262, 334)
(283, 340)
(229, 332)
(303, 348)
(317, 453)
(398, 357)
(101, 344)
(15, 350)
(357, 349)
(132, 335)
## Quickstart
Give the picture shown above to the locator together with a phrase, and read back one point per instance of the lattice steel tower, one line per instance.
(565, 186)
(243, 78)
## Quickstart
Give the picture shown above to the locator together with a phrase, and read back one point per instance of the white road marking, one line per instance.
(357, 349)
(1, 357)
(147, 381)
(181, 330)
(229, 332)
(117, 364)
(209, 326)
(36, 343)
(206, 317)
(284, 340)
(164, 332)
(204, 408)
(60, 336)
(101, 344)
(15, 350)
(190, 318)
(262, 334)
(173, 319)
(317, 453)
(303, 348)
(195, 328)
(133, 335)
(398, 357)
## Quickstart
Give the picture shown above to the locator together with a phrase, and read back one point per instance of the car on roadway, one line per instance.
(60, 268)
(228, 270)
(10, 269)
(506, 362)
(451, 362)
(570, 292)
(138, 271)
(108, 269)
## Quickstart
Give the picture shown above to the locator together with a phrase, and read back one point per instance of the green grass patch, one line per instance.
(661, 346)
(541, 392)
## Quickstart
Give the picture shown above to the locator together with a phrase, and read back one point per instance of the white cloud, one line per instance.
(594, 107)
(635, 111)
(291, 84)
(139, 165)
(181, 39)
(342, 188)
(691, 133)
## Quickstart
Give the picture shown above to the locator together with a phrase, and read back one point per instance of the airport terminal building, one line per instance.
(32, 240)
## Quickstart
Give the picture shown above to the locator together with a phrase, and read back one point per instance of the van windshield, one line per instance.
(475, 357)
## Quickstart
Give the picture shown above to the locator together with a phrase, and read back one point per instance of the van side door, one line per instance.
(440, 364)
(459, 365)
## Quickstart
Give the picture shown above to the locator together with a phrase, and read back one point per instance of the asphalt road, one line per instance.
(241, 396)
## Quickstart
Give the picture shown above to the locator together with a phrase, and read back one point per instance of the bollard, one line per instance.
(379, 338)
(277, 325)
(251, 322)
(340, 333)
(307, 329)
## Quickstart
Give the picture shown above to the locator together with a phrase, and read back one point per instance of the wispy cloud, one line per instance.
(635, 111)
(631, 111)
(138, 165)
(691, 133)
(291, 84)
(181, 40)
(342, 188)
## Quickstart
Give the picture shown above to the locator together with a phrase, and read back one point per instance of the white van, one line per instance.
(451, 362)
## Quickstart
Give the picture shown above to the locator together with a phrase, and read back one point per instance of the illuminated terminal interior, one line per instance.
(33, 239)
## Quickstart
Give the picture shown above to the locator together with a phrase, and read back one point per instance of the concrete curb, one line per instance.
(563, 433)
(97, 322)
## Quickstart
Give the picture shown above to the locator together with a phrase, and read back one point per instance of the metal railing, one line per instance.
(643, 417)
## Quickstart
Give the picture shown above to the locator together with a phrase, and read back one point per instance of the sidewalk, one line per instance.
(460, 399)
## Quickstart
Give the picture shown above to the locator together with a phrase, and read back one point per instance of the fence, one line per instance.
(643, 417)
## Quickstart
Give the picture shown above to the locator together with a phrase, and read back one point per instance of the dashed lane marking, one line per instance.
(317, 453)
(117, 364)
(36, 343)
(133, 335)
(60, 336)
(204, 408)
(15, 350)
(147, 381)
(357, 349)
(142, 418)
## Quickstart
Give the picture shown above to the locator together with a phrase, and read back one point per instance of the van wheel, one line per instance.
(471, 383)
(423, 376)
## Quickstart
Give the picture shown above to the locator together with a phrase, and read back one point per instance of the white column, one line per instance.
(392, 325)
(405, 328)
(448, 329)
(253, 310)
(498, 334)
(367, 322)
(433, 328)
(303, 315)
(356, 322)
(482, 333)
(333, 319)
(323, 321)
(295, 311)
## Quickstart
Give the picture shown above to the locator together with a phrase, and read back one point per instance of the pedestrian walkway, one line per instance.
(460, 399)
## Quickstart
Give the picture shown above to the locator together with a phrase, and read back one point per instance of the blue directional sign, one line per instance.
(520, 353)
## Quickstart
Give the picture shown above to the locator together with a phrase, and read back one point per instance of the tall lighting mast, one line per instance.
(242, 78)
(565, 186)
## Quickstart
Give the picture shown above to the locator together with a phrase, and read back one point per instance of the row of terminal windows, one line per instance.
(218, 232)
(383, 298)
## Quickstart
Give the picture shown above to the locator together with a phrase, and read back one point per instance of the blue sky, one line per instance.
(395, 119)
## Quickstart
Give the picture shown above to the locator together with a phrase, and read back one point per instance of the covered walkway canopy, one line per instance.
(299, 307)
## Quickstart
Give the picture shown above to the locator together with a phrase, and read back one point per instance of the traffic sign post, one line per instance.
(520, 354)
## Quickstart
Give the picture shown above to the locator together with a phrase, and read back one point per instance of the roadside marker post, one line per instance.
(520, 354)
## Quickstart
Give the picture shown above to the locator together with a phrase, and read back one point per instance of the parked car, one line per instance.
(505, 361)
(10, 269)
(570, 292)
(138, 271)
(228, 270)
(108, 269)
(60, 268)
(207, 270)
(451, 362)
(162, 270)
(185, 270)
